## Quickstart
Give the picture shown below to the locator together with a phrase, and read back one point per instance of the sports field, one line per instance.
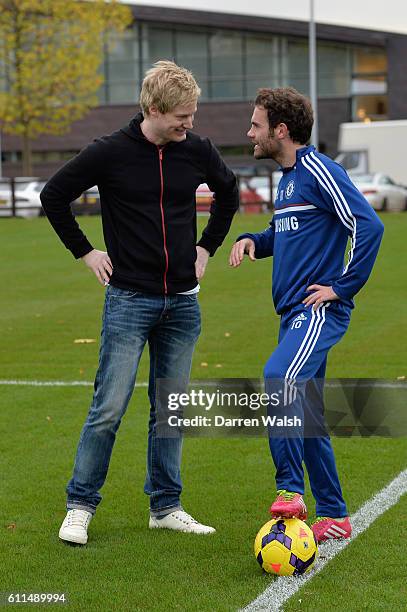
(47, 302)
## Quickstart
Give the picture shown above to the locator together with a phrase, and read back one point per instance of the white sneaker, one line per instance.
(75, 526)
(180, 521)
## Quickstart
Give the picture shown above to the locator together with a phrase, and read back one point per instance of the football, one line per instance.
(286, 547)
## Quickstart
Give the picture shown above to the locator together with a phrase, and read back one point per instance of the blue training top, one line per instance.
(316, 209)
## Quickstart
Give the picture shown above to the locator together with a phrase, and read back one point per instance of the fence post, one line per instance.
(13, 196)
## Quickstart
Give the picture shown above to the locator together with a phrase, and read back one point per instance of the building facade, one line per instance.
(361, 76)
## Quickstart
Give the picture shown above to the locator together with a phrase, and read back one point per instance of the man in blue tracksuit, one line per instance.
(317, 209)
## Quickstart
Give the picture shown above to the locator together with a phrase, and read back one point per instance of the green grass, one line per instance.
(49, 300)
(368, 575)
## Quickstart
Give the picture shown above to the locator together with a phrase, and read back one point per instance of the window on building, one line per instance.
(232, 65)
(295, 65)
(226, 52)
(369, 84)
(12, 157)
(369, 60)
(157, 44)
(192, 52)
(262, 63)
(334, 63)
(40, 157)
(333, 67)
(369, 108)
(121, 69)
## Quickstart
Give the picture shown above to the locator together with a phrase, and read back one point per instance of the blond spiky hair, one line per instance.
(166, 86)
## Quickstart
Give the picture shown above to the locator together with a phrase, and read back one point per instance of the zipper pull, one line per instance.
(160, 153)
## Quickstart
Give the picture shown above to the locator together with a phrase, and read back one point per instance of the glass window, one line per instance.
(369, 60)
(157, 45)
(369, 71)
(192, 52)
(121, 69)
(262, 63)
(369, 108)
(334, 69)
(226, 51)
(362, 178)
(386, 180)
(123, 93)
(124, 46)
(296, 66)
(233, 65)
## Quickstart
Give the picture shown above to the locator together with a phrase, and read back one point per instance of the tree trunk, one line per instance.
(27, 156)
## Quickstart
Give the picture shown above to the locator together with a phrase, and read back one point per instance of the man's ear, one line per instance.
(153, 111)
(281, 131)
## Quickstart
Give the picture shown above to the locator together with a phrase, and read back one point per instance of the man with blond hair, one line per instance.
(147, 174)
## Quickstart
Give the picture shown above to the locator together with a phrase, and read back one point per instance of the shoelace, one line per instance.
(184, 517)
(327, 518)
(79, 518)
(288, 496)
(319, 519)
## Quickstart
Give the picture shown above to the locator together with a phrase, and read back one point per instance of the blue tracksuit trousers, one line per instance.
(301, 356)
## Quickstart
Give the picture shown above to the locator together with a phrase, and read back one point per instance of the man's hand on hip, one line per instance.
(99, 262)
(202, 256)
(239, 249)
(320, 294)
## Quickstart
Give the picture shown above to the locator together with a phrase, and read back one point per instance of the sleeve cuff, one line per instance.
(208, 244)
(83, 248)
(342, 294)
(247, 235)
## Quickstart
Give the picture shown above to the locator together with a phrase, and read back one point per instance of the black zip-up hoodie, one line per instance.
(147, 196)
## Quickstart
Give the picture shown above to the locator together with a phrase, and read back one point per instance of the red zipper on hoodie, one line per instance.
(160, 156)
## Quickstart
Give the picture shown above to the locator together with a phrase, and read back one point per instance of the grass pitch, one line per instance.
(49, 301)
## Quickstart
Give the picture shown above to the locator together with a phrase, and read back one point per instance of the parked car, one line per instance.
(88, 203)
(27, 197)
(248, 170)
(262, 185)
(250, 200)
(204, 198)
(381, 191)
(276, 179)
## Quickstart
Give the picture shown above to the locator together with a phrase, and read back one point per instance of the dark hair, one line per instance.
(287, 105)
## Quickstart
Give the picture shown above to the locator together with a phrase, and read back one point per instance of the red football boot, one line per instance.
(289, 505)
(326, 528)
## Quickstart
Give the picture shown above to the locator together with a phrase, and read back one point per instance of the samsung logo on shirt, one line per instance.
(286, 224)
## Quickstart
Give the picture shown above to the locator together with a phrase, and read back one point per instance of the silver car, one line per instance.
(27, 197)
(381, 191)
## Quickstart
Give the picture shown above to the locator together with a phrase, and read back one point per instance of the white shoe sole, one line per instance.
(153, 524)
(71, 537)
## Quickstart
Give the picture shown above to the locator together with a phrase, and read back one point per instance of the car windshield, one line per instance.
(362, 178)
(22, 186)
(260, 181)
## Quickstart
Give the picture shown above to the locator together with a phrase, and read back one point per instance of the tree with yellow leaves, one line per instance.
(50, 54)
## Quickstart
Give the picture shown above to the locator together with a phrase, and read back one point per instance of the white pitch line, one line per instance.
(284, 587)
(56, 383)
(201, 383)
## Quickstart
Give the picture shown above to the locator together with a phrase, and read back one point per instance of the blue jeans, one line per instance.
(171, 326)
